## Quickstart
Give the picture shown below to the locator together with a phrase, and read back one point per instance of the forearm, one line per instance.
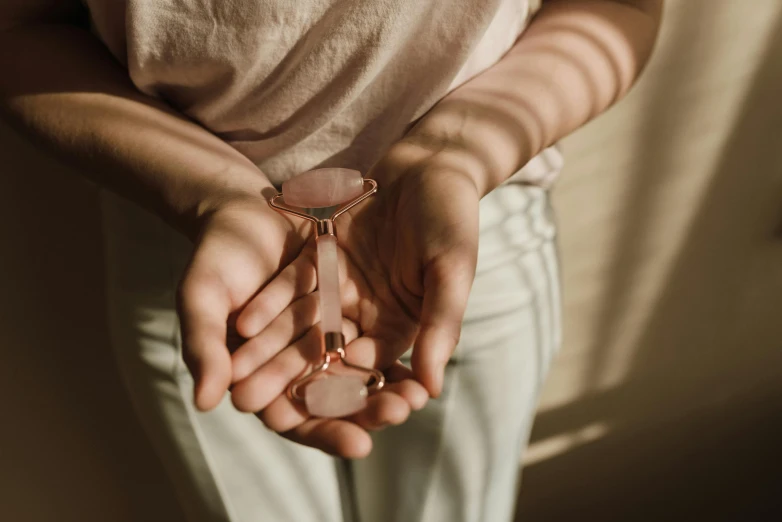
(576, 59)
(62, 87)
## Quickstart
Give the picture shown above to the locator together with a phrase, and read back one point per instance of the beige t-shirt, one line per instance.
(298, 84)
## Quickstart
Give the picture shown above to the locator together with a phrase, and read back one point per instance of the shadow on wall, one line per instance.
(715, 331)
(71, 448)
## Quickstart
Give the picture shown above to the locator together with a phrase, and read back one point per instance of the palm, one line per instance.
(239, 250)
(403, 253)
(394, 247)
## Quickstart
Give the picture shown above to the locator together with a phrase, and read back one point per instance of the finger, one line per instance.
(398, 372)
(379, 352)
(447, 284)
(259, 389)
(336, 437)
(285, 329)
(401, 380)
(295, 280)
(384, 408)
(203, 306)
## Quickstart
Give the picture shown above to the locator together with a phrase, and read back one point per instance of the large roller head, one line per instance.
(336, 396)
(323, 188)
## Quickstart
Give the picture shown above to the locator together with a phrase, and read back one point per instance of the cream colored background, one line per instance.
(666, 402)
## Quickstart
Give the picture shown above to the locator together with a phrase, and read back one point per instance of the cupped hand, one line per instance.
(240, 247)
(265, 392)
(407, 262)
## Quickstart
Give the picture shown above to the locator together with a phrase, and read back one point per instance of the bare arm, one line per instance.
(60, 85)
(576, 59)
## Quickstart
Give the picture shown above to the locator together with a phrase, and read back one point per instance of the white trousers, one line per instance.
(456, 460)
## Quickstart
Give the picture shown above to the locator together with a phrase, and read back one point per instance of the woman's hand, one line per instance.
(242, 244)
(238, 248)
(407, 263)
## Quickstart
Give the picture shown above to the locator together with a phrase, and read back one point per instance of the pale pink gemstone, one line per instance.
(336, 396)
(323, 188)
(328, 285)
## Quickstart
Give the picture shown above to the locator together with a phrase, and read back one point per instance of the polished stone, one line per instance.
(323, 188)
(336, 396)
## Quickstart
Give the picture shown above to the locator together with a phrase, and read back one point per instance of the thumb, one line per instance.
(447, 283)
(203, 305)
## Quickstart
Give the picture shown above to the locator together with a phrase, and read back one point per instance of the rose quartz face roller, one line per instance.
(327, 393)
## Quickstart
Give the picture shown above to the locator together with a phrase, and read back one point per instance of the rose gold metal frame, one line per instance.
(333, 342)
(376, 380)
(324, 226)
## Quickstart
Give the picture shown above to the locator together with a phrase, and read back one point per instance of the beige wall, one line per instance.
(670, 381)
(667, 388)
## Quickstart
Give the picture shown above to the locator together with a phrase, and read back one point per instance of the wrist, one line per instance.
(475, 134)
(417, 154)
(200, 199)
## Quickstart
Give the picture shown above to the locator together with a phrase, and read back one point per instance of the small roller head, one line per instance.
(323, 188)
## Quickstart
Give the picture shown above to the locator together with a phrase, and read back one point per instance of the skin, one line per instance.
(407, 255)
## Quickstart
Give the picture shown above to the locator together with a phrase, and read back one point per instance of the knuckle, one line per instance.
(243, 401)
(271, 421)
